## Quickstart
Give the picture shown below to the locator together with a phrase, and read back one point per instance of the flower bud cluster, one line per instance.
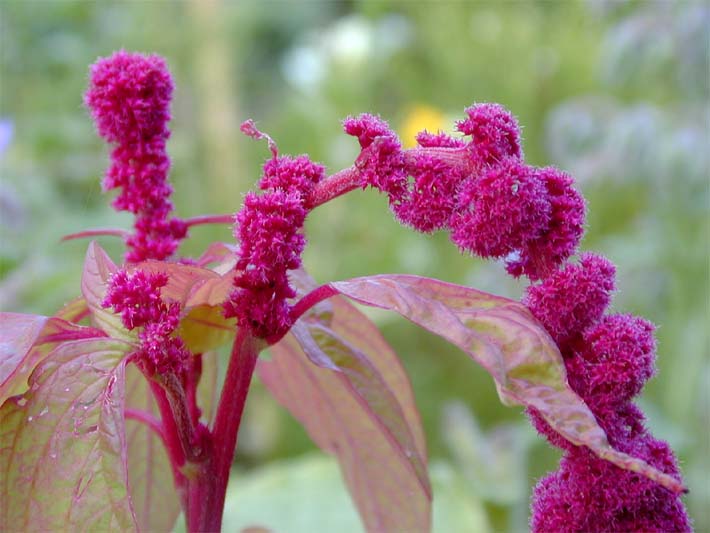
(493, 204)
(608, 358)
(136, 297)
(269, 231)
(129, 98)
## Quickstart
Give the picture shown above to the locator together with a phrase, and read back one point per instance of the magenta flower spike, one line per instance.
(129, 98)
(269, 231)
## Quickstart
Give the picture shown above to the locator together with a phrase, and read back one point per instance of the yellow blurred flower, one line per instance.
(421, 117)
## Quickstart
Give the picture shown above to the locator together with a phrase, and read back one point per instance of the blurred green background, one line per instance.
(614, 92)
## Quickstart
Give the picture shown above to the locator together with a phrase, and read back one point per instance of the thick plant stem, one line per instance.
(209, 484)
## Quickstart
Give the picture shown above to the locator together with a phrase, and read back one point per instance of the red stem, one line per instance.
(208, 488)
(349, 179)
(455, 157)
(209, 219)
(314, 297)
(191, 382)
(97, 232)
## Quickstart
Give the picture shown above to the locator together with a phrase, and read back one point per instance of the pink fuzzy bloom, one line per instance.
(438, 140)
(574, 298)
(367, 128)
(431, 197)
(608, 360)
(500, 210)
(141, 171)
(381, 162)
(592, 495)
(129, 98)
(259, 309)
(617, 359)
(287, 173)
(539, 257)
(268, 230)
(136, 297)
(495, 133)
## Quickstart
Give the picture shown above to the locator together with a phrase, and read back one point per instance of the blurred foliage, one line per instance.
(310, 496)
(615, 92)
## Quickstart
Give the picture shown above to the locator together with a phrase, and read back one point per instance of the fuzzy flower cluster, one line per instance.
(493, 204)
(136, 297)
(608, 358)
(269, 231)
(129, 98)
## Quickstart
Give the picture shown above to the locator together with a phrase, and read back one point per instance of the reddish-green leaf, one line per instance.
(25, 340)
(504, 337)
(223, 254)
(74, 311)
(98, 268)
(205, 328)
(152, 488)
(357, 404)
(200, 291)
(355, 328)
(191, 285)
(208, 388)
(62, 444)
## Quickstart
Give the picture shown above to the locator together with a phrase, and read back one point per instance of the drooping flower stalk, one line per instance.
(533, 218)
(608, 358)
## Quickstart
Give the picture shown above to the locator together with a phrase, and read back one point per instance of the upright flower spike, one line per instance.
(269, 231)
(129, 98)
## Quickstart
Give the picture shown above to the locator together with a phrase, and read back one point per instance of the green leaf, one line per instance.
(63, 453)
